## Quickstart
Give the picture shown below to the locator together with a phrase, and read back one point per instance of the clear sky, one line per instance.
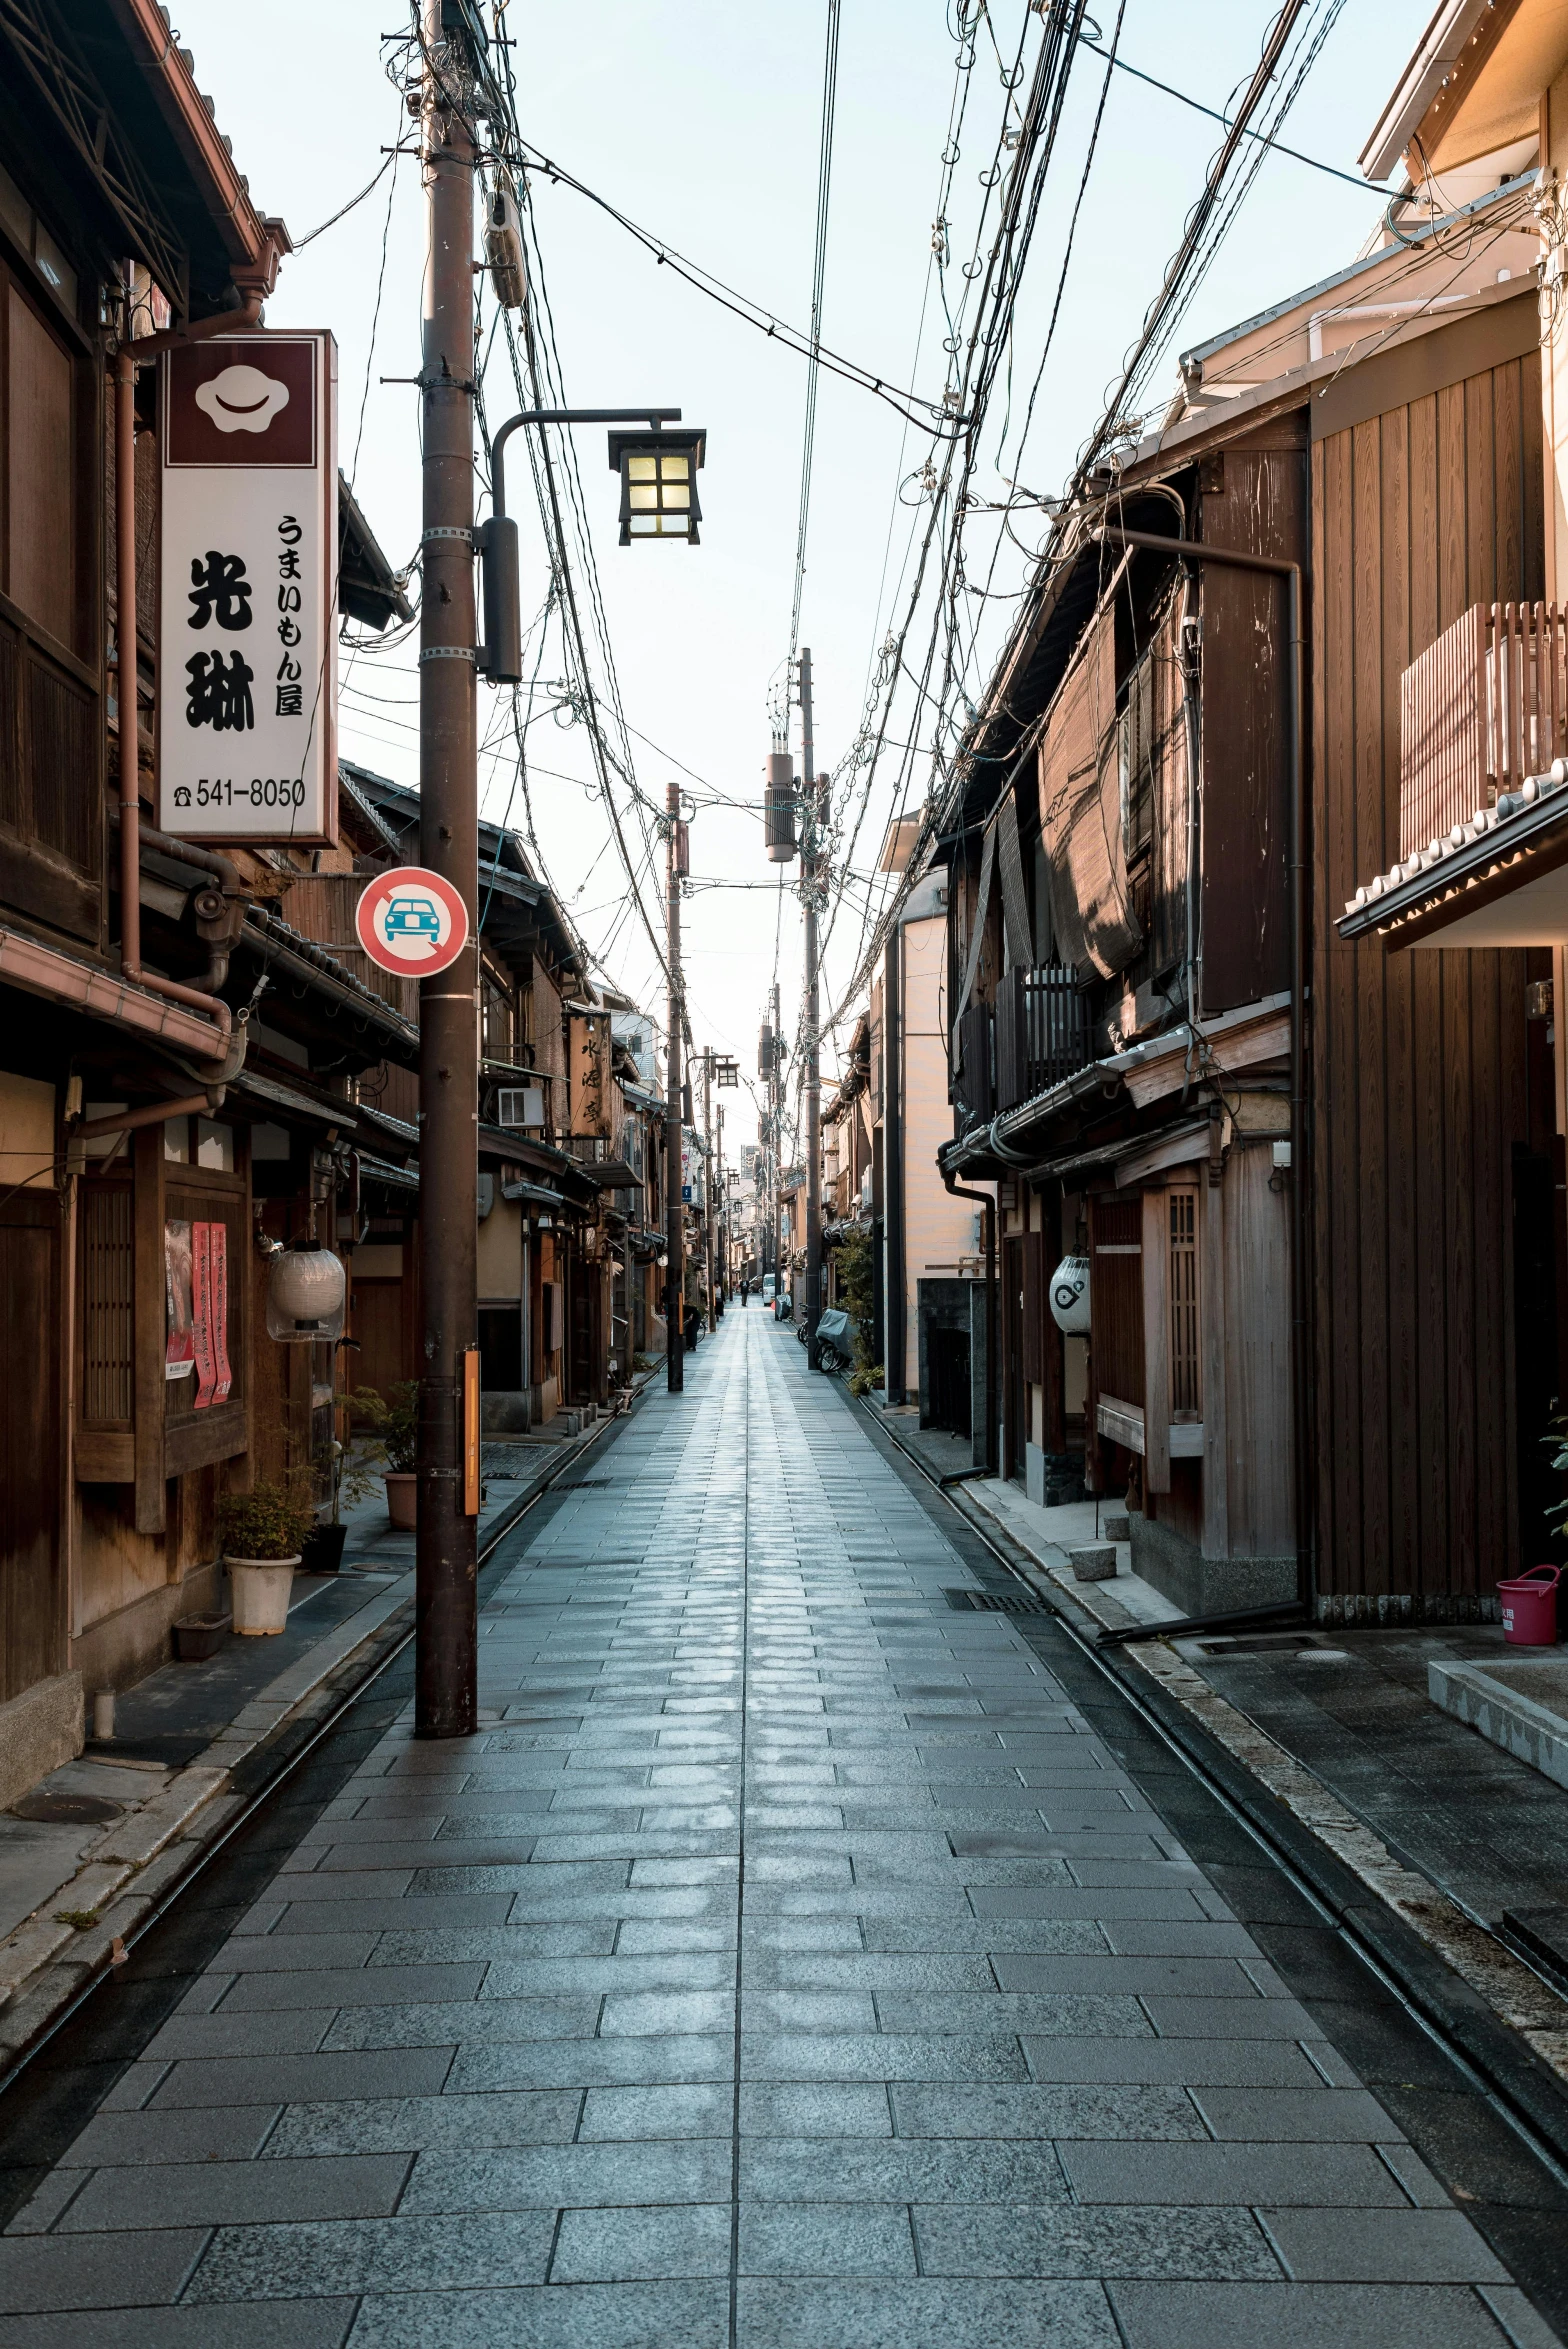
(701, 122)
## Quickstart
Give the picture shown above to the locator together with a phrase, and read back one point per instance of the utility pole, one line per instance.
(675, 1213)
(776, 1150)
(721, 1240)
(809, 870)
(708, 1195)
(446, 1671)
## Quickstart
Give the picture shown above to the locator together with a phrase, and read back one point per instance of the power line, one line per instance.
(926, 417)
(1365, 186)
(818, 270)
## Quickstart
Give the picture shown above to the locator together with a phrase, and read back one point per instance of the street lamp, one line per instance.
(658, 473)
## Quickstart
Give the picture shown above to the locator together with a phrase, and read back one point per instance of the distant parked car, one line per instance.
(769, 1288)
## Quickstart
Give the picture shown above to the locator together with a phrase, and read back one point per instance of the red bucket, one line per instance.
(1529, 1606)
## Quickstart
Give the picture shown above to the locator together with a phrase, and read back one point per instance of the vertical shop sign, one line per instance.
(247, 676)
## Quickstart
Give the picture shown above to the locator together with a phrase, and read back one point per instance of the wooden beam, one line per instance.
(1156, 1348)
(1211, 1324)
(149, 1330)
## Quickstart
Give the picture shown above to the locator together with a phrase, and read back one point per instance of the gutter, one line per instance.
(123, 1001)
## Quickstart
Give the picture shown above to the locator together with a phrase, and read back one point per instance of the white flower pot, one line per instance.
(261, 1594)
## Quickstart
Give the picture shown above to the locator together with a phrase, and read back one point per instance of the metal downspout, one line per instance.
(988, 1203)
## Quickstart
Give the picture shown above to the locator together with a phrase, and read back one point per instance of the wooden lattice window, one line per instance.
(1182, 1292)
(108, 1296)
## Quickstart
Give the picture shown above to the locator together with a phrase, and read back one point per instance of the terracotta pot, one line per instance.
(402, 1505)
(261, 1589)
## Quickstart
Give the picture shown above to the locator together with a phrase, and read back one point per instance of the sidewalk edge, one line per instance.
(1495, 2010)
(125, 1896)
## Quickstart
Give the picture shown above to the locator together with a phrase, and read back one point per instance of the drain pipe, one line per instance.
(985, 1200)
(1189, 550)
(127, 358)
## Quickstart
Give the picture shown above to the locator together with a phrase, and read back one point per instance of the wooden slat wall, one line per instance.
(1246, 797)
(1418, 1058)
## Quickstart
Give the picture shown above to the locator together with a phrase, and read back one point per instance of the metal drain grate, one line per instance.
(995, 1602)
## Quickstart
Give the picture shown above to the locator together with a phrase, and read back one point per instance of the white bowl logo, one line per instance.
(242, 399)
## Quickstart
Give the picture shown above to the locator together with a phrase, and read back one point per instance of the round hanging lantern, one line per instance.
(305, 1296)
(1070, 1296)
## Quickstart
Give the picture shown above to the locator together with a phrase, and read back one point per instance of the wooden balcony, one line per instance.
(1483, 708)
(1042, 1032)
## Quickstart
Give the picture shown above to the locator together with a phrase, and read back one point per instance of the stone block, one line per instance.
(39, 1730)
(1118, 1526)
(1095, 1563)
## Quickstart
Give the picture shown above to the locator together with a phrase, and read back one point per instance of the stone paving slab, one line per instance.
(788, 1963)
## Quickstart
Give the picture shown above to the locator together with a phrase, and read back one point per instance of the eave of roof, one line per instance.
(1522, 838)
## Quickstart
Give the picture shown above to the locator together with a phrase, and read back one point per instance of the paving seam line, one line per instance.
(1492, 2008)
(166, 1843)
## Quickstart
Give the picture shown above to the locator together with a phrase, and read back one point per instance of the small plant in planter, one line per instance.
(345, 1478)
(391, 1422)
(263, 1533)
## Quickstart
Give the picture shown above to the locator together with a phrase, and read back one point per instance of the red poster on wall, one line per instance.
(179, 1351)
(201, 1313)
(218, 1252)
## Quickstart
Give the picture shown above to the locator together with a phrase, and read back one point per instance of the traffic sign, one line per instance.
(412, 922)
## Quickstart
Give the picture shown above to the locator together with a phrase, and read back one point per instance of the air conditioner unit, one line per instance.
(520, 1105)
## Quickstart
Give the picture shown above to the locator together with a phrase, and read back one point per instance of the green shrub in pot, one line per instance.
(269, 1523)
(391, 1423)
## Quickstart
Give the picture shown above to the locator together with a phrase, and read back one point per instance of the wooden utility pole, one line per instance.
(776, 1150)
(446, 1675)
(709, 1201)
(722, 1230)
(811, 798)
(675, 1213)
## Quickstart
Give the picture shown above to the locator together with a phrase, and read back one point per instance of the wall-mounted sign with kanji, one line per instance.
(411, 921)
(247, 672)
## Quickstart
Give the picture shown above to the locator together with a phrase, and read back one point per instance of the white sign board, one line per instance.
(247, 643)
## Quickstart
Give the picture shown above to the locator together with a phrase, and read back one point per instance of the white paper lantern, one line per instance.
(306, 1294)
(1070, 1296)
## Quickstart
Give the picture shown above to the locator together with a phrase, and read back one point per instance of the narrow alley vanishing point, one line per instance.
(790, 1960)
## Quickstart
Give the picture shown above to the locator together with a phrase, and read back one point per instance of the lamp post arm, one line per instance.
(653, 417)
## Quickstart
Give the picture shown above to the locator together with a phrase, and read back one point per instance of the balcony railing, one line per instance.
(1042, 1032)
(1483, 707)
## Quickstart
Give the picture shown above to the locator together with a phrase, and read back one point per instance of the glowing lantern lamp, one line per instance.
(658, 473)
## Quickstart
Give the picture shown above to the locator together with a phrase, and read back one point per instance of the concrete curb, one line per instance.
(1495, 2010)
(135, 1867)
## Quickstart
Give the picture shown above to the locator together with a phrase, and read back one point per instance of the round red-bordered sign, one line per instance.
(412, 922)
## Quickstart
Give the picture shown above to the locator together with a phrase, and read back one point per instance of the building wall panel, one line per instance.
(1417, 1058)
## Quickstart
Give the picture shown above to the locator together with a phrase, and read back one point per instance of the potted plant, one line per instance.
(392, 1423)
(263, 1533)
(348, 1479)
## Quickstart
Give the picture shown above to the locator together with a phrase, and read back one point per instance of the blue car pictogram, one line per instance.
(412, 916)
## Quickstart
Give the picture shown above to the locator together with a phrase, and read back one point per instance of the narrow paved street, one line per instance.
(789, 1961)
